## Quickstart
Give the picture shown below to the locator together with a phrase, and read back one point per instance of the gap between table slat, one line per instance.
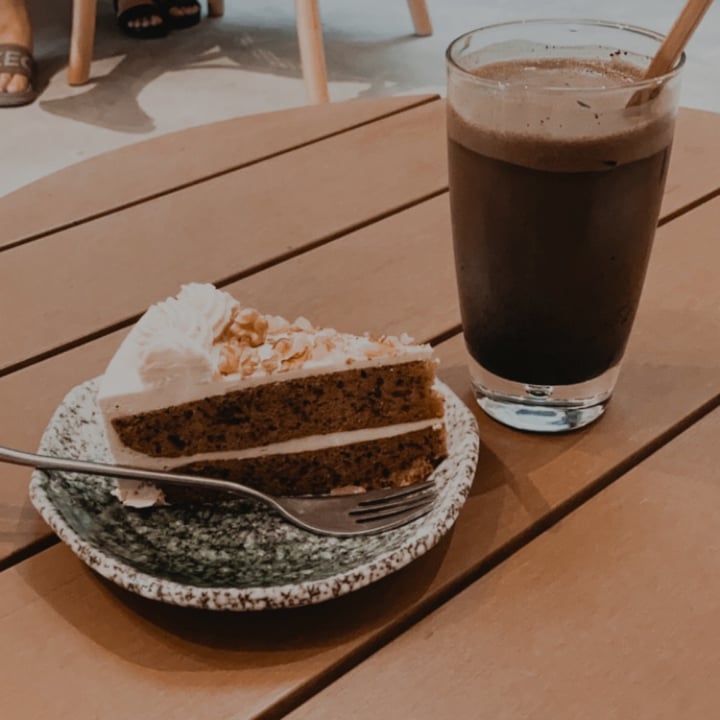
(67, 181)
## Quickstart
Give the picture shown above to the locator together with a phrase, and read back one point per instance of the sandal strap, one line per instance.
(16, 60)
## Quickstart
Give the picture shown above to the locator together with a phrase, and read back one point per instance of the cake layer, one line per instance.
(271, 413)
(123, 393)
(399, 460)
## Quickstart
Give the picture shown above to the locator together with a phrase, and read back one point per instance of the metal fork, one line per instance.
(341, 515)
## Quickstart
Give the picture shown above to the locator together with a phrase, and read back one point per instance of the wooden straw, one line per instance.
(669, 52)
(678, 37)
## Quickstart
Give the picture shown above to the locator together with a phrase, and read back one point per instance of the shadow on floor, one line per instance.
(111, 100)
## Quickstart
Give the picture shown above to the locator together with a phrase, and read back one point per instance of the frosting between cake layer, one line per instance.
(309, 443)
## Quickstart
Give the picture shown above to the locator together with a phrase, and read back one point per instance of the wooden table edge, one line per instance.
(414, 101)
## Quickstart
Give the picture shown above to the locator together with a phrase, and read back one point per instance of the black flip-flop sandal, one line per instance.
(142, 12)
(17, 60)
(180, 22)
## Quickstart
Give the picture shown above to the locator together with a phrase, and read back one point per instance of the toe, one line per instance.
(182, 11)
(5, 79)
(18, 84)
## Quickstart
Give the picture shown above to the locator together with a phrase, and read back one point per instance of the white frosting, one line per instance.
(175, 353)
(139, 494)
(142, 494)
(309, 443)
(174, 338)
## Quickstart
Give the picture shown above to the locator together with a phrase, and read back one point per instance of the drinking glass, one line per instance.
(558, 153)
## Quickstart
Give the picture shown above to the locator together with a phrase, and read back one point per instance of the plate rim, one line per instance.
(296, 594)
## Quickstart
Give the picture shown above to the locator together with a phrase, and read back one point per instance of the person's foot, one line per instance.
(182, 13)
(15, 29)
(141, 21)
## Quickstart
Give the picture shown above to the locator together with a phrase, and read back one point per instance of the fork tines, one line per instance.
(415, 500)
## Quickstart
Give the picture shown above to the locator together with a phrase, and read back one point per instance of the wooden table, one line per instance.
(581, 579)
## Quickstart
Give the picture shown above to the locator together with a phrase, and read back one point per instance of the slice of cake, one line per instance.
(203, 385)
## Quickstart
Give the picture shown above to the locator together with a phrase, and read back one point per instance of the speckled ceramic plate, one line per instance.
(235, 555)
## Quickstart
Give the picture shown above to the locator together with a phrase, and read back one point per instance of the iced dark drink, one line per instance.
(557, 163)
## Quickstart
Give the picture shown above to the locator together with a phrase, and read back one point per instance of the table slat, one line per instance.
(611, 614)
(695, 162)
(130, 174)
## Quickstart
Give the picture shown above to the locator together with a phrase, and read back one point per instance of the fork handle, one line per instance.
(45, 462)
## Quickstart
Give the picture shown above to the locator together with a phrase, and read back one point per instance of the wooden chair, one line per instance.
(309, 29)
(312, 52)
(82, 37)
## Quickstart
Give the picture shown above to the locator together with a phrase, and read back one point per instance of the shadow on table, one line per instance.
(203, 639)
(353, 624)
(496, 443)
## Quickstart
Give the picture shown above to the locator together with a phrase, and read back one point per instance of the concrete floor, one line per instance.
(247, 62)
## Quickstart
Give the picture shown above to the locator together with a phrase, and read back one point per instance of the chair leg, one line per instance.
(312, 52)
(420, 17)
(82, 40)
(216, 8)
